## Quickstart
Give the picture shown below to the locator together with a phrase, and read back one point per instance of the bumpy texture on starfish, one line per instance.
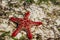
(24, 23)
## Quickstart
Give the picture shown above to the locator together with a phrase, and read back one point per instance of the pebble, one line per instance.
(4, 26)
(18, 35)
(58, 22)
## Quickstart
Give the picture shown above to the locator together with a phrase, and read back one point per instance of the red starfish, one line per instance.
(24, 23)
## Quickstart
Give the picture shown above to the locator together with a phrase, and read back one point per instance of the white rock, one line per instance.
(18, 35)
(17, 9)
(33, 39)
(20, 16)
(4, 3)
(23, 32)
(33, 28)
(10, 16)
(58, 22)
(51, 34)
(4, 25)
(9, 28)
(44, 5)
(16, 15)
(35, 0)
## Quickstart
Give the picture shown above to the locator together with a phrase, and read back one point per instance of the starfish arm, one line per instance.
(29, 33)
(26, 15)
(16, 31)
(37, 23)
(13, 19)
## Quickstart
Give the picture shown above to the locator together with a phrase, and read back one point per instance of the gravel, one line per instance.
(42, 12)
